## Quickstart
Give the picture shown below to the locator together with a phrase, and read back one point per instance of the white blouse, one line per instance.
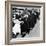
(16, 27)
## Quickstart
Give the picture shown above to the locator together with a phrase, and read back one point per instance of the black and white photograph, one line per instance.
(25, 22)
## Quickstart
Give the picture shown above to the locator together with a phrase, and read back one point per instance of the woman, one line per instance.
(17, 26)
